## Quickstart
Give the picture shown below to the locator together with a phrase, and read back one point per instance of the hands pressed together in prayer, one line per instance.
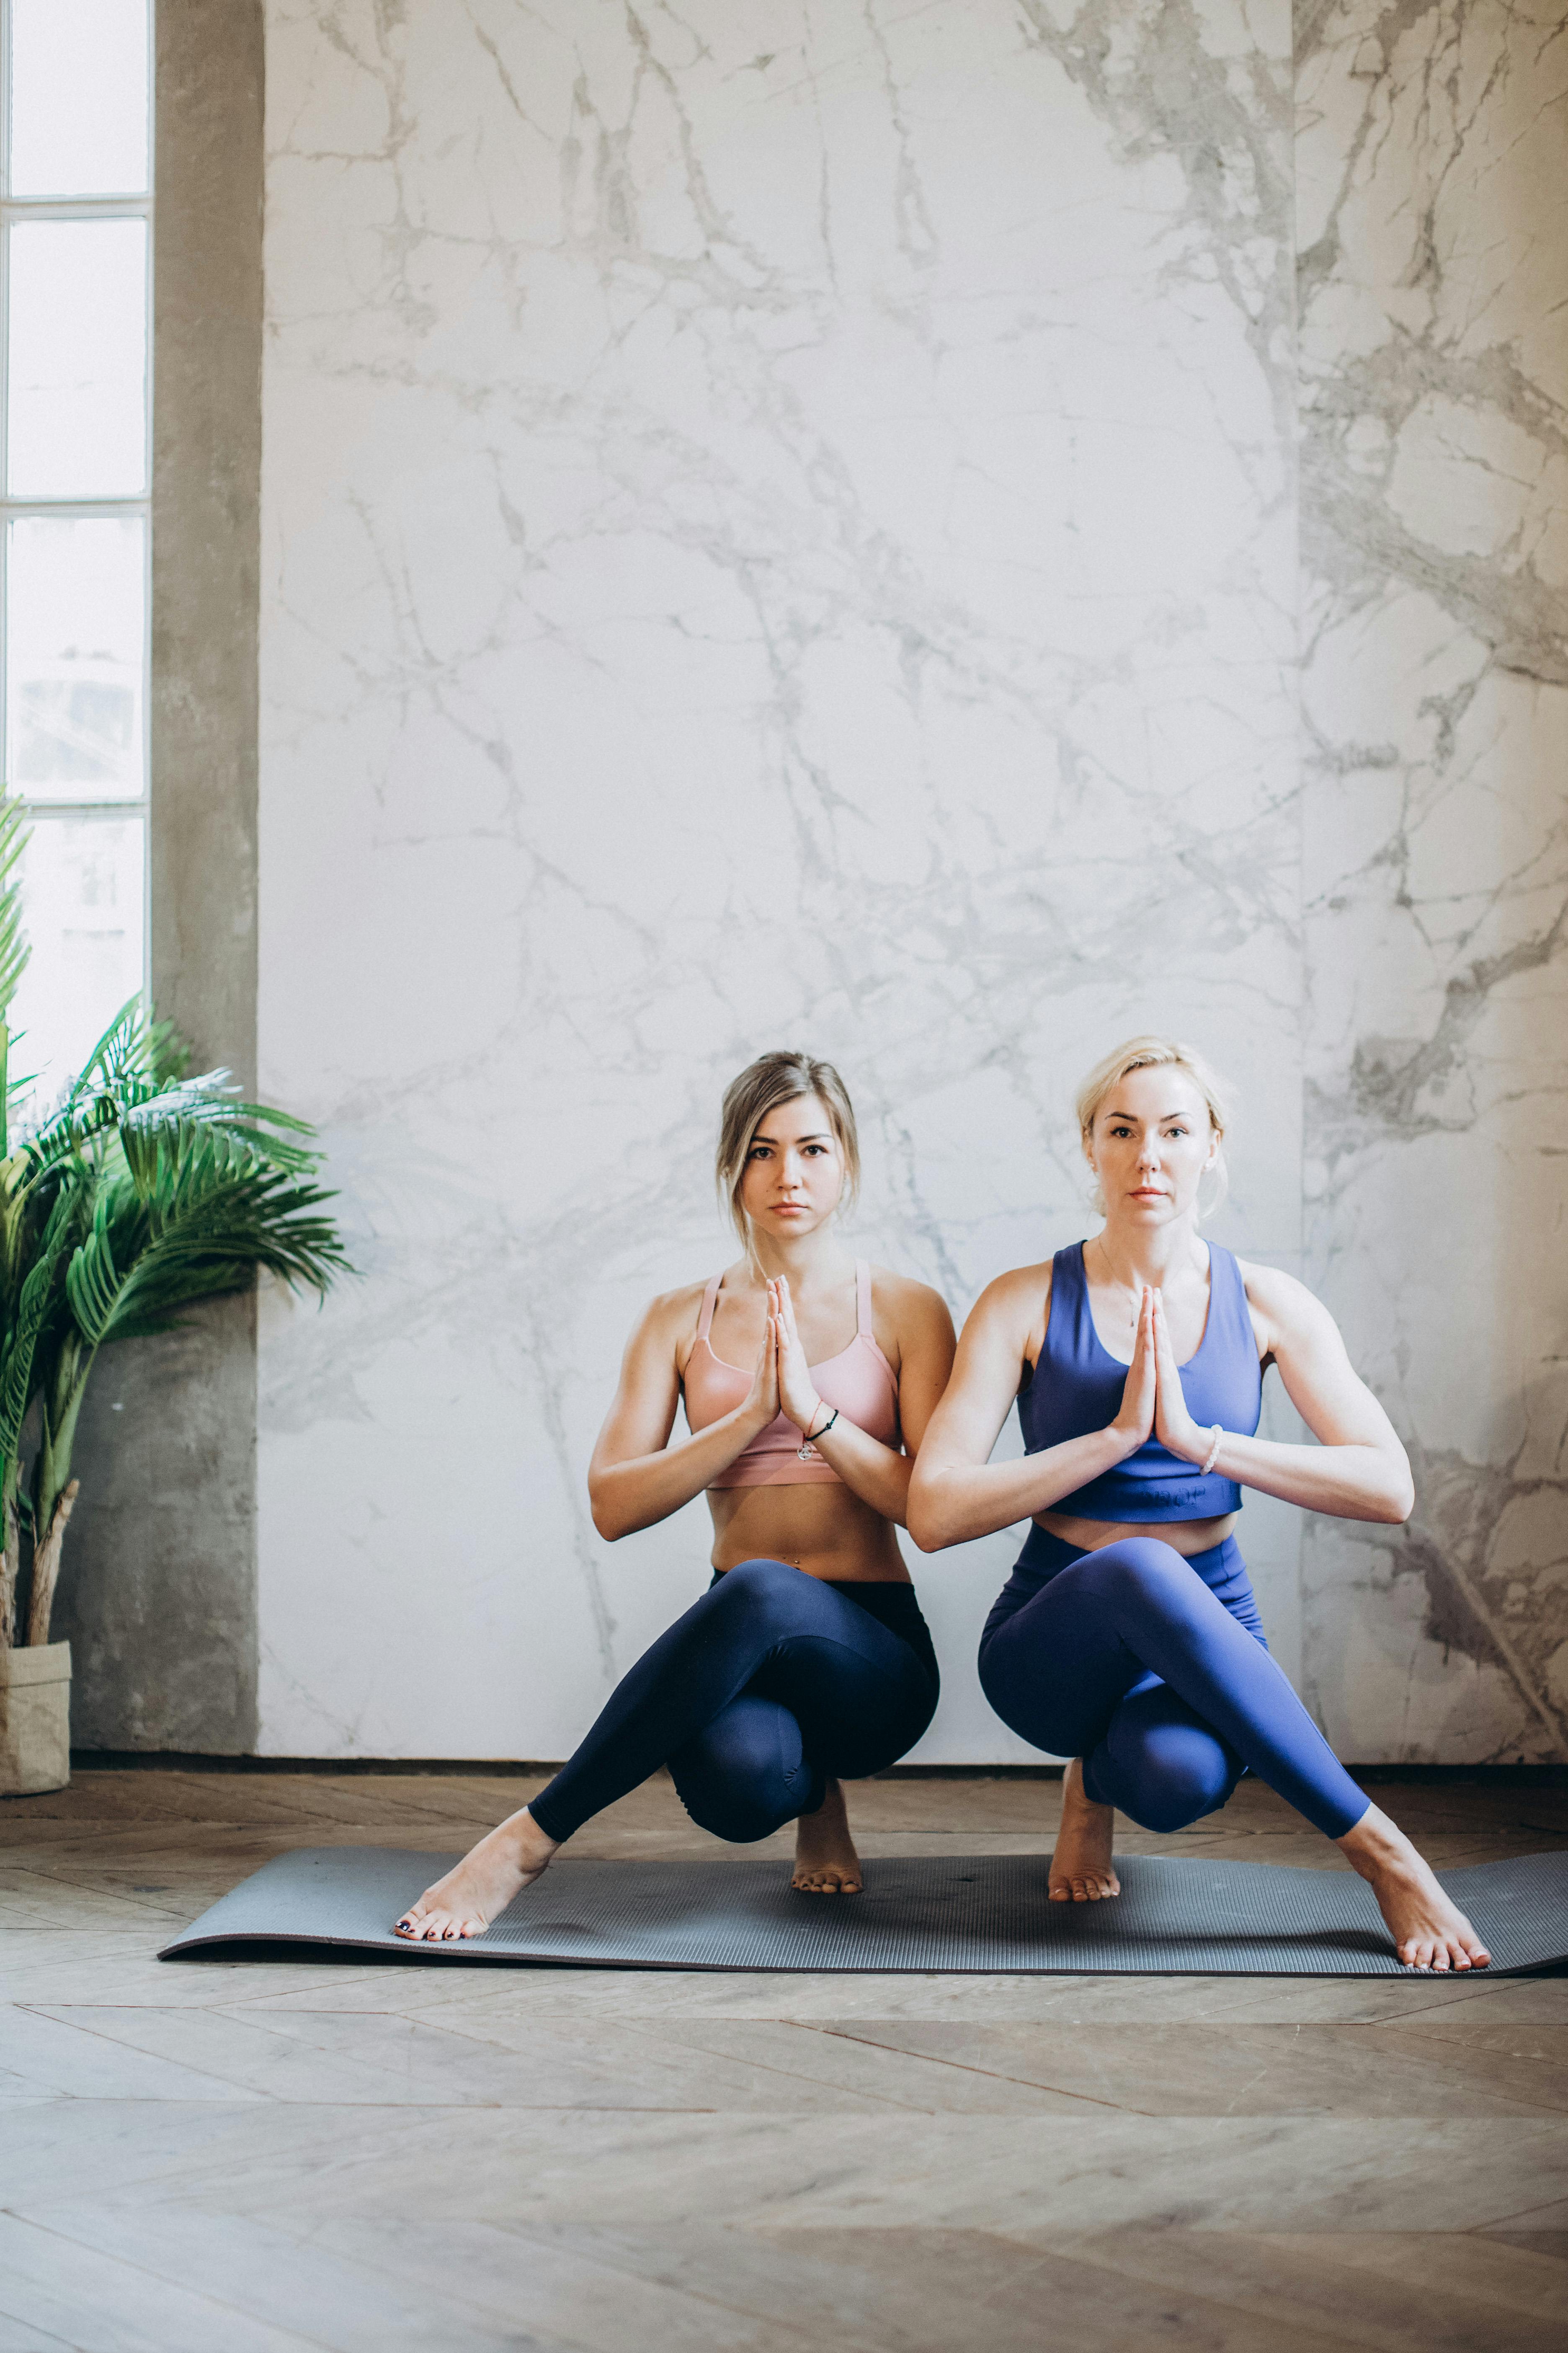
(781, 1382)
(1152, 1402)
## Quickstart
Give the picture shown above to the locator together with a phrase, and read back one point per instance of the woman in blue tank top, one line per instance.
(1128, 1637)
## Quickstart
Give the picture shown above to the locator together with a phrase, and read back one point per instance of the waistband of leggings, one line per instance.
(1044, 1555)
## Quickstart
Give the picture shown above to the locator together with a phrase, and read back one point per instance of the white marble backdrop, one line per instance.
(780, 527)
(1433, 220)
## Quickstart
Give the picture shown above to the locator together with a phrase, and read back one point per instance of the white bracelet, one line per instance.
(1213, 1456)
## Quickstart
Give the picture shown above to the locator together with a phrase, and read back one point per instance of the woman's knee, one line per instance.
(747, 1774)
(1142, 1571)
(1168, 1782)
(736, 1812)
(758, 1586)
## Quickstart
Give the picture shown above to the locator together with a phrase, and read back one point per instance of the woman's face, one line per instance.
(795, 1170)
(1150, 1143)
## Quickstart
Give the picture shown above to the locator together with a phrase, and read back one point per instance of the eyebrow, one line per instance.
(817, 1135)
(1131, 1116)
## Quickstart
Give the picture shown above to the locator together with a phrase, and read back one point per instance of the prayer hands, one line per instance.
(1135, 1421)
(1174, 1425)
(796, 1395)
(763, 1403)
(1152, 1403)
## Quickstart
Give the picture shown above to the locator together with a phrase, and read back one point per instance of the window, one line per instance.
(74, 450)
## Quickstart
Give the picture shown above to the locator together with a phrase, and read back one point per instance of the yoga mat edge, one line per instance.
(1177, 1916)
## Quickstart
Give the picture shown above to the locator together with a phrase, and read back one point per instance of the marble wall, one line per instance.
(780, 525)
(1432, 201)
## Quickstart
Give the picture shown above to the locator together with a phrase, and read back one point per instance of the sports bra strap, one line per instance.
(863, 1301)
(710, 1301)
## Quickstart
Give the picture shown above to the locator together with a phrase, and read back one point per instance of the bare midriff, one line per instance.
(824, 1530)
(1185, 1537)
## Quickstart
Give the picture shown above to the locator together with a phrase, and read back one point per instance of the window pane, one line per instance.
(81, 878)
(75, 598)
(78, 359)
(78, 98)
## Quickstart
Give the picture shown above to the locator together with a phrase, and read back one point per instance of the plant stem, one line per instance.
(46, 1568)
(10, 1560)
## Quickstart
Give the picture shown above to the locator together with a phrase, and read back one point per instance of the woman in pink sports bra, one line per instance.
(808, 1380)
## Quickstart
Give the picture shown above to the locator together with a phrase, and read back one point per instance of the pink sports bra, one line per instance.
(859, 1381)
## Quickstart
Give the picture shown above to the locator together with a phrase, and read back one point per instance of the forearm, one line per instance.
(952, 1502)
(875, 1472)
(1347, 1482)
(626, 1496)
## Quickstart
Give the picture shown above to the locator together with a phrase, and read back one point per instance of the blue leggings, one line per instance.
(1154, 1669)
(768, 1685)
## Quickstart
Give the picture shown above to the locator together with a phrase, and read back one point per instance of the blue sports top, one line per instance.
(1076, 1387)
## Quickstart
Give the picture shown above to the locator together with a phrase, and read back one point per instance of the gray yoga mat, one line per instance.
(980, 1912)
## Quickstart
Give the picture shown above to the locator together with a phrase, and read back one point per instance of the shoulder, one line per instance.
(902, 1297)
(670, 1318)
(1015, 1303)
(1283, 1308)
(910, 1315)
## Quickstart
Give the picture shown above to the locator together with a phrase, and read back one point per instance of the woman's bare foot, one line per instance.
(1429, 1931)
(1081, 1869)
(480, 1888)
(826, 1863)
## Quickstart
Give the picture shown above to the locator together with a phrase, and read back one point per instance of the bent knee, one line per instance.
(1142, 1568)
(753, 1581)
(738, 1817)
(743, 1798)
(1171, 1797)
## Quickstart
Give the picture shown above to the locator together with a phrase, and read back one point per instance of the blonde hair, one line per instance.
(1155, 1053)
(763, 1085)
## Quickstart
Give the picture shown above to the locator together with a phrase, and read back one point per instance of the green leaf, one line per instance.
(195, 1215)
(32, 1311)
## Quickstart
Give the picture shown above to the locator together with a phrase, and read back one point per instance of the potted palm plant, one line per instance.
(145, 1190)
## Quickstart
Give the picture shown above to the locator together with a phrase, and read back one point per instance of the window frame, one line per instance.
(14, 210)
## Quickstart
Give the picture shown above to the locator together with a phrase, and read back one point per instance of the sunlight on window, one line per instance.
(74, 214)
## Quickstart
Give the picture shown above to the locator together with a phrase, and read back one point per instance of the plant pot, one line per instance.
(35, 1719)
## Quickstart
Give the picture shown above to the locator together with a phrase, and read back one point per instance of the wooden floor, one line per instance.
(211, 2155)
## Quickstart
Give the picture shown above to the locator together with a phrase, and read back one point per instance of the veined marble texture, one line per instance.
(780, 527)
(1433, 222)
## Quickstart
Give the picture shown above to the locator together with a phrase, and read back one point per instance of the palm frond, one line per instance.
(125, 1094)
(33, 1307)
(195, 1215)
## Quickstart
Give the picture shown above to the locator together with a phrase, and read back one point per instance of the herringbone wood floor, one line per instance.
(260, 2158)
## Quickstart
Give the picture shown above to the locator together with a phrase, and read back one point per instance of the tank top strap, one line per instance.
(1227, 1295)
(710, 1301)
(864, 1324)
(1069, 1278)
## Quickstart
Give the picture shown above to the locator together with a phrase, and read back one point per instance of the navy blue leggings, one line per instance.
(768, 1685)
(1154, 1669)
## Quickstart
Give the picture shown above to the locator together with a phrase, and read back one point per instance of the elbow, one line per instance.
(1401, 1491)
(607, 1522)
(1401, 1502)
(924, 1520)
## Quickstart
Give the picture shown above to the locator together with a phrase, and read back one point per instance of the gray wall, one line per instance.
(159, 1592)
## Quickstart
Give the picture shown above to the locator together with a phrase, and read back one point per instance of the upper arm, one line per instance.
(643, 1414)
(1307, 1344)
(991, 1354)
(924, 1329)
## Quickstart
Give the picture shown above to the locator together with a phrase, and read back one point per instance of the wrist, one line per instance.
(816, 1411)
